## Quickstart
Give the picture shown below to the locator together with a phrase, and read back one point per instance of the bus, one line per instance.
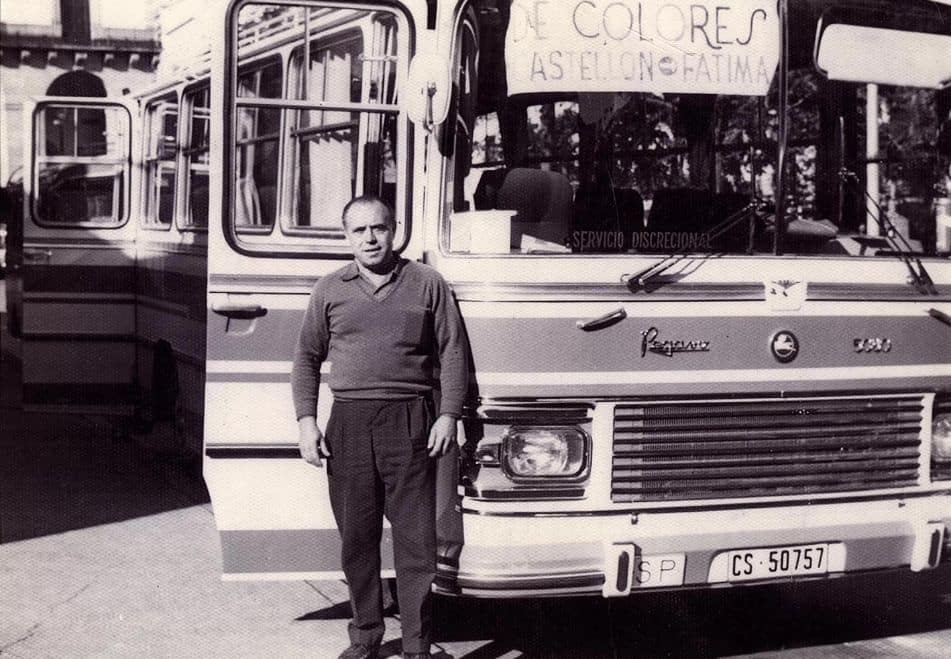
(701, 251)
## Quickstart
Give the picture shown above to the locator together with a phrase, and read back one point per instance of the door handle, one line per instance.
(240, 311)
(602, 321)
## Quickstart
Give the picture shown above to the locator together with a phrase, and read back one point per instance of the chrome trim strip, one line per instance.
(162, 248)
(79, 243)
(218, 283)
(713, 505)
(572, 580)
(546, 291)
(874, 292)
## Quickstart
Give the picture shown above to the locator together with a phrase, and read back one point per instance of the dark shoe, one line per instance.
(358, 651)
(417, 655)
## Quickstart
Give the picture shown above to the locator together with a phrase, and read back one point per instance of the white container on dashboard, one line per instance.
(481, 232)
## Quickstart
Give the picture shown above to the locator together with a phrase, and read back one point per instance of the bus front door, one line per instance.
(78, 258)
(307, 126)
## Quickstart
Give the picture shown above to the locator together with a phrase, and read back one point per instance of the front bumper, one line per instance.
(531, 555)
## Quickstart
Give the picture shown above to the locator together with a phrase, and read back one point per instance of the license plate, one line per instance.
(769, 563)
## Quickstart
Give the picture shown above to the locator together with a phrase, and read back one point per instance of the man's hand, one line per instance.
(442, 435)
(311, 441)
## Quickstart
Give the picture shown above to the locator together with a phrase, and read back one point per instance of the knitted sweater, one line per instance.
(383, 344)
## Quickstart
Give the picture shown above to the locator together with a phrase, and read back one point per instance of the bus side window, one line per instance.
(334, 74)
(352, 66)
(258, 144)
(317, 122)
(197, 146)
(457, 137)
(161, 161)
(379, 150)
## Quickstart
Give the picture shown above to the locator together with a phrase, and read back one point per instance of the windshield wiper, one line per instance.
(746, 212)
(896, 240)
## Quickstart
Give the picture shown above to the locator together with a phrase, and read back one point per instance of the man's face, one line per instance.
(370, 234)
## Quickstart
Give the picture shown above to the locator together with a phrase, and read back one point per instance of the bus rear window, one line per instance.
(81, 166)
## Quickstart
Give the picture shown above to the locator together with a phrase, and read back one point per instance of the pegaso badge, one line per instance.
(650, 343)
(785, 346)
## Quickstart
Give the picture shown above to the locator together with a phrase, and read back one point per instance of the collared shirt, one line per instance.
(383, 342)
(352, 272)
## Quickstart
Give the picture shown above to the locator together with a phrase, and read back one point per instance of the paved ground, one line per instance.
(108, 549)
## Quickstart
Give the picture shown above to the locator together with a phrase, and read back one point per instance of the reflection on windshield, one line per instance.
(613, 172)
(605, 171)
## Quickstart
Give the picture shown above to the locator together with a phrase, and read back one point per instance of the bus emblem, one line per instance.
(785, 346)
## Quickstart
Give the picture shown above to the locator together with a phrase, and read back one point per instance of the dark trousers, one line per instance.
(380, 464)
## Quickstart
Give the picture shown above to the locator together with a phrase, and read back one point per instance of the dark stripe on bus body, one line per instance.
(506, 344)
(85, 299)
(178, 288)
(193, 361)
(253, 451)
(289, 550)
(118, 278)
(78, 279)
(171, 306)
(68, 337)
(555, 344)
(274, 336)
(279, 551)
(272, 378)
(48, 393)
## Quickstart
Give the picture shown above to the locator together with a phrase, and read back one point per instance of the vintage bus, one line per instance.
(700, 250)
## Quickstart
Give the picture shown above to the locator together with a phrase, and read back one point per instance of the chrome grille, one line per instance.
(726, 449)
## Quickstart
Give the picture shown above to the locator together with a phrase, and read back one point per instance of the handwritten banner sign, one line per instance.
(663, 46)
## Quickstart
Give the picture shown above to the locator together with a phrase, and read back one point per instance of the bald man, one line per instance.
(384, 323)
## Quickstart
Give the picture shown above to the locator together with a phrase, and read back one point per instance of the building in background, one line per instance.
(70, 48)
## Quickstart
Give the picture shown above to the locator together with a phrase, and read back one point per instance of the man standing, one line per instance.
(383, 322)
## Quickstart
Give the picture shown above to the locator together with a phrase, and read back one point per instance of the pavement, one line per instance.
(108, 548)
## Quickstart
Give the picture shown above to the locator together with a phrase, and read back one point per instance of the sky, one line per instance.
(127, 14)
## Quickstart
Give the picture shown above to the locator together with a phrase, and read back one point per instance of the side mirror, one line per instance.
(906, 53)
(428, 90)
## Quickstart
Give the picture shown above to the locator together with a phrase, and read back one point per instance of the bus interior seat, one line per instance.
(609, 209)
(630, 209)
(695, 210)
(267, 201)
(486, 194)
(543, 201)
(247, 203)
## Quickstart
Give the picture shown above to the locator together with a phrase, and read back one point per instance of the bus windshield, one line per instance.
(647, 127)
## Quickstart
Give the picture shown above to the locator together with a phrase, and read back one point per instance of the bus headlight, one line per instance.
(544, 452)
(941, 440)
(941, 437)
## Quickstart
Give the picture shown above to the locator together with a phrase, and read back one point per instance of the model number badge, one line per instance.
(876, 344)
